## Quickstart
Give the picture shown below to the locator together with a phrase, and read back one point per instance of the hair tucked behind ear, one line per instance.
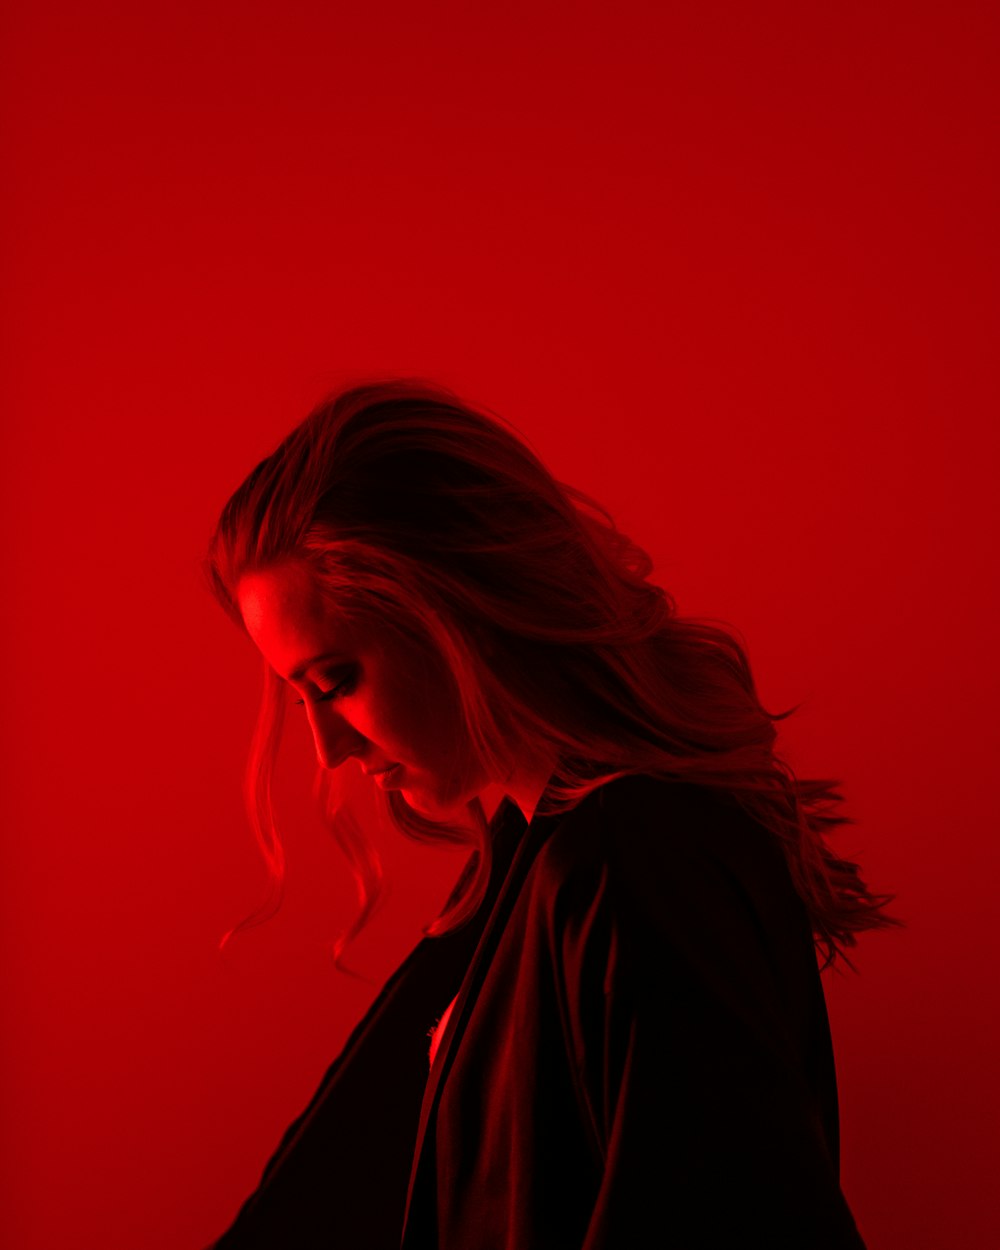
(412, 507)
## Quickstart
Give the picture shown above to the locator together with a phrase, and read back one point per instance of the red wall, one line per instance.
(730, 267)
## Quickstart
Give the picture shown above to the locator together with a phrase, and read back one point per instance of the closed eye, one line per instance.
(340, 689)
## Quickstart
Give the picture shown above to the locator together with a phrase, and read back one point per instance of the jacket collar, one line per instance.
(516, 838)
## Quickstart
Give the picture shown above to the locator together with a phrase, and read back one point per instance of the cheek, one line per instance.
(426, 715)
(389, 715)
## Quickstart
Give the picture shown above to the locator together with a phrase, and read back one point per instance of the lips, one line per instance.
(377, 772)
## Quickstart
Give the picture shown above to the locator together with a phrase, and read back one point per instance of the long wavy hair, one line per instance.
(414, 509)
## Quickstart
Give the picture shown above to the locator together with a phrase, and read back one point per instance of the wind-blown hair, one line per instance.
(410, 507)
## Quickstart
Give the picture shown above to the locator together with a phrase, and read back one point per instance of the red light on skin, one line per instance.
(388, 778)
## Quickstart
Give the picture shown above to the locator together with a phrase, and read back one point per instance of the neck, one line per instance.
(525, 787)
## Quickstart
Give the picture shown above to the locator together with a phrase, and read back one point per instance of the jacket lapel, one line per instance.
(421, 1189)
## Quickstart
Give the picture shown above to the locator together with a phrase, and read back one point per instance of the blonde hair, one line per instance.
(410, 506)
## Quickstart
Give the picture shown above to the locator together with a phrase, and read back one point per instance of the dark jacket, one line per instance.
(638, 1055)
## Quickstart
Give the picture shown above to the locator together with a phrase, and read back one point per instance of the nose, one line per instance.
(335, 740)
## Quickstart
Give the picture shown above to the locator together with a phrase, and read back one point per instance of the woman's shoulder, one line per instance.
(660, 849)
(641, 819)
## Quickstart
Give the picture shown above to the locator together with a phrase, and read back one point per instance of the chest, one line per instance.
(438, 1031)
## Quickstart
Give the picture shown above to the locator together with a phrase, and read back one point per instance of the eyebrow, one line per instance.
(301, 671)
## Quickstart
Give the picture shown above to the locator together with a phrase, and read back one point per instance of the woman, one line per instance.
(631, 1043)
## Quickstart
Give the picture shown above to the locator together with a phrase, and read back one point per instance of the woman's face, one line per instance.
(367, 693)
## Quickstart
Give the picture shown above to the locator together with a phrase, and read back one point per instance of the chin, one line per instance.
(434, 808)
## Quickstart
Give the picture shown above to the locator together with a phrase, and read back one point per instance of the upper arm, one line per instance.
(685, 1055)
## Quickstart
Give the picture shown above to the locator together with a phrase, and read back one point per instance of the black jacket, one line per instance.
(638, 1055)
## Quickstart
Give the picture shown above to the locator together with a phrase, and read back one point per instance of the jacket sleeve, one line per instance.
(693, 1075)
(339, 1175)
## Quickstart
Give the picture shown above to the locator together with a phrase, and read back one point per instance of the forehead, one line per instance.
(288, 618)
(285, 594)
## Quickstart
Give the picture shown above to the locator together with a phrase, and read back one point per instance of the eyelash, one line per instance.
(337, 691)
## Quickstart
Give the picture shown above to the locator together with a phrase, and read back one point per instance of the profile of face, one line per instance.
(367, 694)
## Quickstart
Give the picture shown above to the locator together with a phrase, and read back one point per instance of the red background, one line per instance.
(729, 267)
